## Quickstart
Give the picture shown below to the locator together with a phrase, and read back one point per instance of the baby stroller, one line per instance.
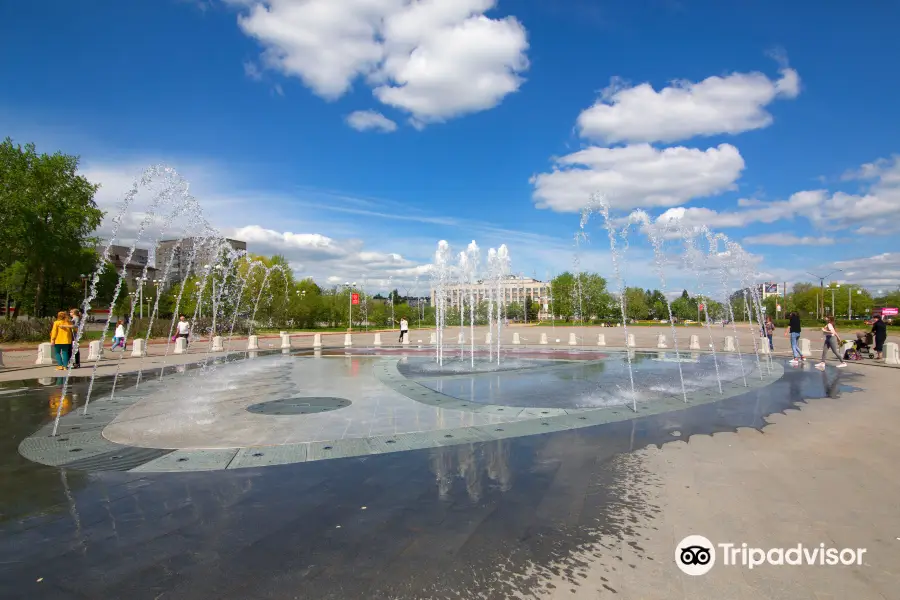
(862, 345)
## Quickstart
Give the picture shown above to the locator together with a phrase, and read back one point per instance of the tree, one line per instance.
(596, 302)
(562, 292)
(635, 304)
(514, 311)
(532, 308)
(47, 215)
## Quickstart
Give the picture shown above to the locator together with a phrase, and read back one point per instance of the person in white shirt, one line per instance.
(119, 336)
(404, 328)
(184, 329)
(831, 341)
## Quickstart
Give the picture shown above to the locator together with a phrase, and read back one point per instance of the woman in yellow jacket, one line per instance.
(61, 338)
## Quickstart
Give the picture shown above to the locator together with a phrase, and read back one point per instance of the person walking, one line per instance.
(793, 331)
(184, 329)
(119, 335)
(879, 330)
(831, 341)
(404, 328)
(75, 317)
(770, 331)
(61, 338)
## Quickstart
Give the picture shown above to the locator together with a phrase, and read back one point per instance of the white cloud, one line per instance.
(716, 105)
(787, 239)
(881, 270)
(252, 71)
(638, 175)
(370, 120)
(870, 212)
(434, 59)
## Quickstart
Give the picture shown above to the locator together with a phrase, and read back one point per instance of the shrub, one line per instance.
(25, 330)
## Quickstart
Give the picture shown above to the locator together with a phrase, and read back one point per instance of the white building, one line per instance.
(515, 289)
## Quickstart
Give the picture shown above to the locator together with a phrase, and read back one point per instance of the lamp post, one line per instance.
(84, 280)
(850, 302)
(833, 288)
(213, 299)
(141, 283)
(822, 279)
(350, 287)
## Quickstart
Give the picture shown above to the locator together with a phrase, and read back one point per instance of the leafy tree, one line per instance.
(47, 216)
(562, 291)
(635, 304)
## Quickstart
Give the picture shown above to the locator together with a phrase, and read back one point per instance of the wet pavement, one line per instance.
(489, 519)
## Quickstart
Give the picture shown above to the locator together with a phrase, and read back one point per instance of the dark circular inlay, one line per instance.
(327, 448)
(75, 450)
(257, 454)
(448, 436)
(391, 442)
(298, 405)
(182, 460)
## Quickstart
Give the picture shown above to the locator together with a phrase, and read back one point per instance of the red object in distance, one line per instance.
(354, 299)
(701, 307)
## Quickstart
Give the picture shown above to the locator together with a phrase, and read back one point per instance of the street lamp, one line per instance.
(822, 279)
(833, 288)
(84, 280)
(850, 302)
(141, 283)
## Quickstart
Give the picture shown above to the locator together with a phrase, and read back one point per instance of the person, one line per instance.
(61, 338)
(879, 330)
(184, 329)
(119, 335)
(404, 328)
(770, 331)
(831, 341)
(793, 331)
(75, 318)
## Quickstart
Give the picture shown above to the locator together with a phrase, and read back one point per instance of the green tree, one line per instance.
(47, 216)
(562, 291)
(635, 304)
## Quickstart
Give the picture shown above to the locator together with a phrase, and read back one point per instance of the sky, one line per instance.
(352, 135)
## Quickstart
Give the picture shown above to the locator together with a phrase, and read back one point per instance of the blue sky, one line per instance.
(790, 151)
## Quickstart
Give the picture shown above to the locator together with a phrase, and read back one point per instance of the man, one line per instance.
(794, 331)
(404, 328)
(184, 329)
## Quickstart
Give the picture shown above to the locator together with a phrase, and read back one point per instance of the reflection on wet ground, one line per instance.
(452, 522)
(584, 383)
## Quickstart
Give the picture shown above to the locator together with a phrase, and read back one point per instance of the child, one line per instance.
(119, 336)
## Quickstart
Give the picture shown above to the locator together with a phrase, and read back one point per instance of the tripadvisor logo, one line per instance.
(696, 555)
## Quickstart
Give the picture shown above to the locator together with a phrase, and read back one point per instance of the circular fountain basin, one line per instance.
(280, 409)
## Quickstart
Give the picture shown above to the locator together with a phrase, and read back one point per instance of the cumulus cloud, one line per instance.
(881, 270)
(870, 211)
(434, 60)
(683, 110)
(370, 120)
(638, 175)
(787, 239)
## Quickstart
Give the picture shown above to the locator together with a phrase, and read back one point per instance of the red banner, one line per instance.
(701, 307)
(354, 299)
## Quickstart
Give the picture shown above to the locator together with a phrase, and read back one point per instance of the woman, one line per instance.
(831, 341)
(119, 335)
(879, 330)
(61, 338)
(770, 331)
(75, 317)
(794, 330)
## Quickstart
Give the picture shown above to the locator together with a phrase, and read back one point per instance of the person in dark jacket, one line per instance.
(794, 331)
(879, 330)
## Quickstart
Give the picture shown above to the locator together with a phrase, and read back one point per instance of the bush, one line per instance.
(25, 330)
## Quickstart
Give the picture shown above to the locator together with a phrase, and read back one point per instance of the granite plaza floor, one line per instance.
(195, 485)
